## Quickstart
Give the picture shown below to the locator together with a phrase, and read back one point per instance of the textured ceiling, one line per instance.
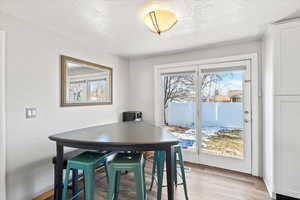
(116, 26)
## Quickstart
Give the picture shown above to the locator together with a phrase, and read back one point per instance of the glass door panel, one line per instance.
(180, 108)
(225, 115)
(222, 116)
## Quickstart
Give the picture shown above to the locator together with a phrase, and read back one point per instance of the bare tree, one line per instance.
(178, 88)
(208, 82)
(181, 88)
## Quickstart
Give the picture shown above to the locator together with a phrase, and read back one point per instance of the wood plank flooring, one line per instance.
(204, 183)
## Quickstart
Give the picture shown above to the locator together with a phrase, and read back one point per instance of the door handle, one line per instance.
(246, 120)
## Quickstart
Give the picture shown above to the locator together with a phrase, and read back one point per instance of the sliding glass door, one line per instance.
(208, 108)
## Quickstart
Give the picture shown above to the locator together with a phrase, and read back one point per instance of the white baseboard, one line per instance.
(271, 193)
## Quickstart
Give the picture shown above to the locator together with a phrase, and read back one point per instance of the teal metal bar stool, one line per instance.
(158, 169)
(126, 162)
(87, 162)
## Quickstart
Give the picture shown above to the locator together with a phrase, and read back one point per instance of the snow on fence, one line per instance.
(213, 114)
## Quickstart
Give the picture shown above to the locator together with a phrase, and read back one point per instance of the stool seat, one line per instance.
(127, 159)
(88, 158)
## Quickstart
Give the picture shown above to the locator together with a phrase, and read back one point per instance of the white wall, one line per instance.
(268, 110)
(141, 75)
(2, 116)
(32, 63)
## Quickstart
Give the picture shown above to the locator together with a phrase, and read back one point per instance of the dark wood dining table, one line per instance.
(123, 136)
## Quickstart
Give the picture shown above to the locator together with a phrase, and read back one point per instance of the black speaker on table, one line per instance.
(132, 116)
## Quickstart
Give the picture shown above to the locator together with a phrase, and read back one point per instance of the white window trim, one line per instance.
(2, 118)
(255, 98)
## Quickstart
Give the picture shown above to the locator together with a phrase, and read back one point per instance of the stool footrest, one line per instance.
(76, 195)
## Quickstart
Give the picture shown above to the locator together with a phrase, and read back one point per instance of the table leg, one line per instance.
(58, 172)
(169, 161)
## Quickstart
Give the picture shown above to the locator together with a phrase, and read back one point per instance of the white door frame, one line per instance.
(2, 118)
(255, 91)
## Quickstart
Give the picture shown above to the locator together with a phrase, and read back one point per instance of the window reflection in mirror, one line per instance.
(85, 83)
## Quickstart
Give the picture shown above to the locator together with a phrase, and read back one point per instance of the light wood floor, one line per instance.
(204, 183)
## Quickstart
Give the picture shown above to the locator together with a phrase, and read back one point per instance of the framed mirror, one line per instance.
(84, 83)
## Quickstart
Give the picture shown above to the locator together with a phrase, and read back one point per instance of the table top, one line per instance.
(123, 133)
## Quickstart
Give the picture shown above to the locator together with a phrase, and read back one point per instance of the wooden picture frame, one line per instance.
(79, 78)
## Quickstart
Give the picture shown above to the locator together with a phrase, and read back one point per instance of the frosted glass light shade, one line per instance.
(159, 21)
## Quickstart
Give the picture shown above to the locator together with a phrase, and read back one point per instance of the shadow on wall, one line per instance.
(30, 180)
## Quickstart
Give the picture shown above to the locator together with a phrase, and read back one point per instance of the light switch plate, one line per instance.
(30, 113)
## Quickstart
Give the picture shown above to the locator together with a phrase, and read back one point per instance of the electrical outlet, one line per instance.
(30, 113)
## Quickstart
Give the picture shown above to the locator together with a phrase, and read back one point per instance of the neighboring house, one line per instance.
(232, 96)
(220, 98)
(235, 95)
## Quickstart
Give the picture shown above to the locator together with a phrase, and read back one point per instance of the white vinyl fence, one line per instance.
(213, 114)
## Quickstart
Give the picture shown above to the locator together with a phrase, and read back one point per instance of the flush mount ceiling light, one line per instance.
(159, 21)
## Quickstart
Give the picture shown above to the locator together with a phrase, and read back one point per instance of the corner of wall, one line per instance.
(2, 118)
(269, 189)
(267, 86)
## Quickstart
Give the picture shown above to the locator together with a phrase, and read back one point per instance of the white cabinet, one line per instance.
(287, 59)
(281, 109)
(287, 145)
